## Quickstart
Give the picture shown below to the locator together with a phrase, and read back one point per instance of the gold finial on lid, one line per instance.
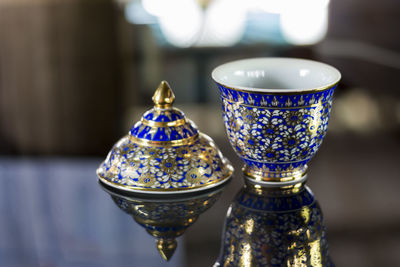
(163, 97)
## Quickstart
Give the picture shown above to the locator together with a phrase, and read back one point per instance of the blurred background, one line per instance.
(76, 74)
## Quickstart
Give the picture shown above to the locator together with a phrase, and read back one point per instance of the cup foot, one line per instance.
(262, 183)
(267, 178)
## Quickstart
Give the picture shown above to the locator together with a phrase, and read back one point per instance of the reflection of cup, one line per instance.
(276, 113)
(274, 227)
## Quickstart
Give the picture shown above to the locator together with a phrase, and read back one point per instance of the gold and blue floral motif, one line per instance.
(164, 125)
(276, 134)
(151, 168)
(274, 227)
(281, 100)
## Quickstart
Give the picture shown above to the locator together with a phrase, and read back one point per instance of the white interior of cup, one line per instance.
(276, 74)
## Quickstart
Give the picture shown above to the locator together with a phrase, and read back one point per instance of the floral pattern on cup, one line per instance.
(277, 134)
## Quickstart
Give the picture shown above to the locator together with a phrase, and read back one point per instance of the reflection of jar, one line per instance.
(165, 218)
(274, 227)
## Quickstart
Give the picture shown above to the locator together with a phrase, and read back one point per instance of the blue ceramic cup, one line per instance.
(276, 113)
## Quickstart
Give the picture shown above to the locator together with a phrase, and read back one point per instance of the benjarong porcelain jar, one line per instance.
(164, 153)
(276, 113)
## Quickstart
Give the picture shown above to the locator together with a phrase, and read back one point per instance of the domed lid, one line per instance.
(164, 153)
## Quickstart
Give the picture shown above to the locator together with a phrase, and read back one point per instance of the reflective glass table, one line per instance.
(54, 212)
